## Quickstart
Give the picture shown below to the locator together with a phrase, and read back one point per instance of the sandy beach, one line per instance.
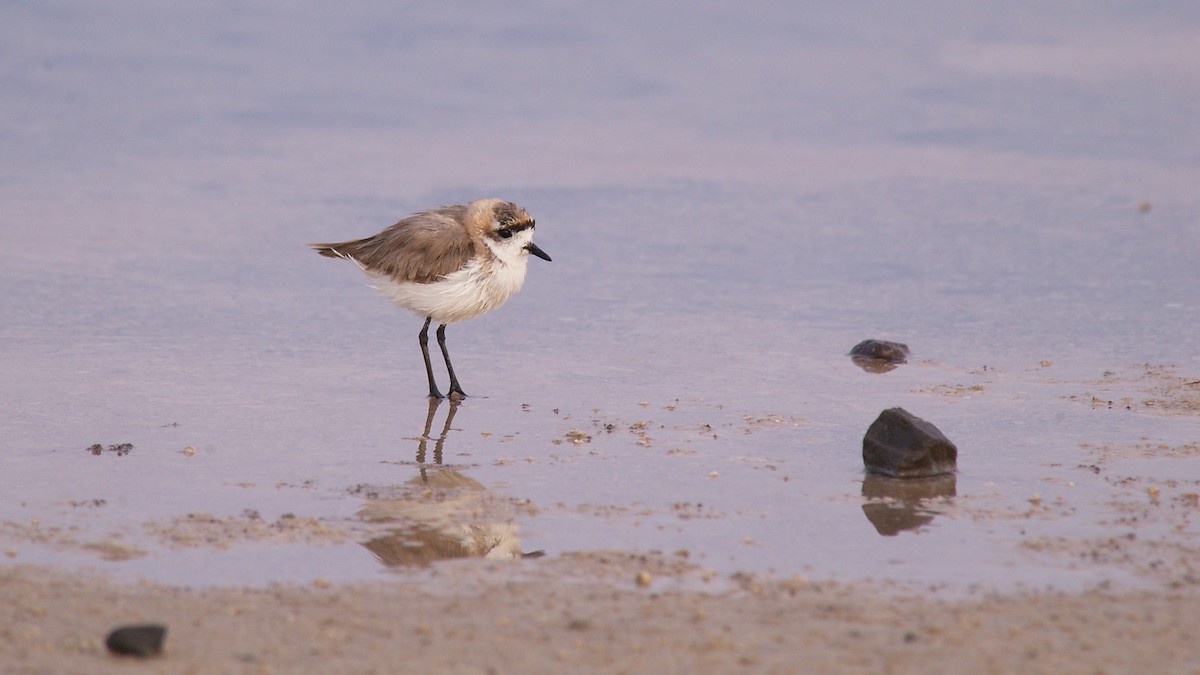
(587, 614)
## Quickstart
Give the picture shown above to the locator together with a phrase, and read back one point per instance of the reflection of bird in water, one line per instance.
(439, 522)
(442, 513)
(438, 445)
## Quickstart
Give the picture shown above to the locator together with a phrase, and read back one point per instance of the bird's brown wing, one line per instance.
(423, 248)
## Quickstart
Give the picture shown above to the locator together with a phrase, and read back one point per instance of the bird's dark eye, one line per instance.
(504, 232)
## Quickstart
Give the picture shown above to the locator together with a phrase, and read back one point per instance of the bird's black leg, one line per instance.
(424, 338)
(455, 388)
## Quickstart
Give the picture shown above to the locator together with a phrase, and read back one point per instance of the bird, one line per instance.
(447, 264)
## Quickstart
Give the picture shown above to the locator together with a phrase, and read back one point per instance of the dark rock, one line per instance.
(878, 356)
(902, 445)
(141, 640)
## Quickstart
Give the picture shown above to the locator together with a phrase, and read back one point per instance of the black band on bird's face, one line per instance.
(506, 231)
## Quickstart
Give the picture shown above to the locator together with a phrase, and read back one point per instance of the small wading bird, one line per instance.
(447, 264)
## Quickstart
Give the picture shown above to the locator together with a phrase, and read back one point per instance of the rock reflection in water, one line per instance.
(441, 513)
(898, 504)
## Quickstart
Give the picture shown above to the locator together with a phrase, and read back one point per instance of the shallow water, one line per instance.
(732, 198)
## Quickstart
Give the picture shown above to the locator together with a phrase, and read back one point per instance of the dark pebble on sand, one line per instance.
(141, 640)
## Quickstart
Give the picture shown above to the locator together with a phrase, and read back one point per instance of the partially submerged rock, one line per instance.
(879, 356)
(141, 640)
(902, 445)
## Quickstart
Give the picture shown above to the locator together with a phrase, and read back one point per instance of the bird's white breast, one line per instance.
(461, 295)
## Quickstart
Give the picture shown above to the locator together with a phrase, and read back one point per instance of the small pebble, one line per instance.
(142, 640)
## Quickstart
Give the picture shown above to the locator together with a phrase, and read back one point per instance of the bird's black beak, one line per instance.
(533, 248)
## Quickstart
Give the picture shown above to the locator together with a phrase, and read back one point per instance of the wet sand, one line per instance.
(626, 611)
(587, 613)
